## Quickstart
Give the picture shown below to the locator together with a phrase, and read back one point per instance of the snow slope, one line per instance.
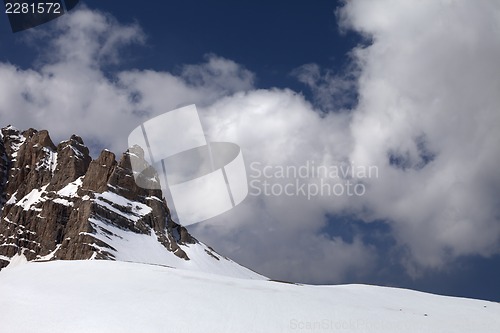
(107, 296)
(141, 248)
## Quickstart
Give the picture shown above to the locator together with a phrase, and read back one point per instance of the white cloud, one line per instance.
(427, 99)
(430, 73)
(68, 92)
(428, 96)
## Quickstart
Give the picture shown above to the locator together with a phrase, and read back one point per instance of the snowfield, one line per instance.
(107, 296)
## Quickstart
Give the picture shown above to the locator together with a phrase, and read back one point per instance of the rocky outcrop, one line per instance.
(73, 160)
(58, 203)
(4, 171)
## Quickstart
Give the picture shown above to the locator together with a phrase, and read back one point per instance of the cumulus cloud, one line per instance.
(70, 90)
(426, 116)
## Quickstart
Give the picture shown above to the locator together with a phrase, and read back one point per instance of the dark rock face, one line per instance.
(73, 160)
(4, 171)
(56, 200)
(99, 172)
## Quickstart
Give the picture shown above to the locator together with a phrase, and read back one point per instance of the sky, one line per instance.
(408, 89)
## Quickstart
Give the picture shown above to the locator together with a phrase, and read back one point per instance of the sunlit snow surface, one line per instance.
(106, 296)
(141, 248)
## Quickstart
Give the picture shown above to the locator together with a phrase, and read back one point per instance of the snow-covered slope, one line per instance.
(145, 248)
(107, 296)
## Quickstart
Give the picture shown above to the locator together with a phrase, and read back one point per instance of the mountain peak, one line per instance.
(59, 203)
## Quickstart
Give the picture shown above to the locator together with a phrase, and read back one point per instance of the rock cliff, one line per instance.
(58, 203)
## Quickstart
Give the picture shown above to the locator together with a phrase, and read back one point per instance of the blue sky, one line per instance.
(270, 39)
(368, 84)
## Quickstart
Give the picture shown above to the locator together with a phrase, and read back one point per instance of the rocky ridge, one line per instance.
(58, 203)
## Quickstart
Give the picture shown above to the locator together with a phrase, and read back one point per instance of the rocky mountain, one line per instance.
(58, 203)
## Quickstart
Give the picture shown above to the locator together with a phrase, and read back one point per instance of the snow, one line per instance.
(71, 189)
(16, 260)
(49, 162)
(12, 200)
(63, 202)
(201, 261)
(141, 248)
(76, 152)
(106, 296)
(137, 209)
(37, 195)
(16, 145)
(53, 162)
(32, 198)
(154, 198)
